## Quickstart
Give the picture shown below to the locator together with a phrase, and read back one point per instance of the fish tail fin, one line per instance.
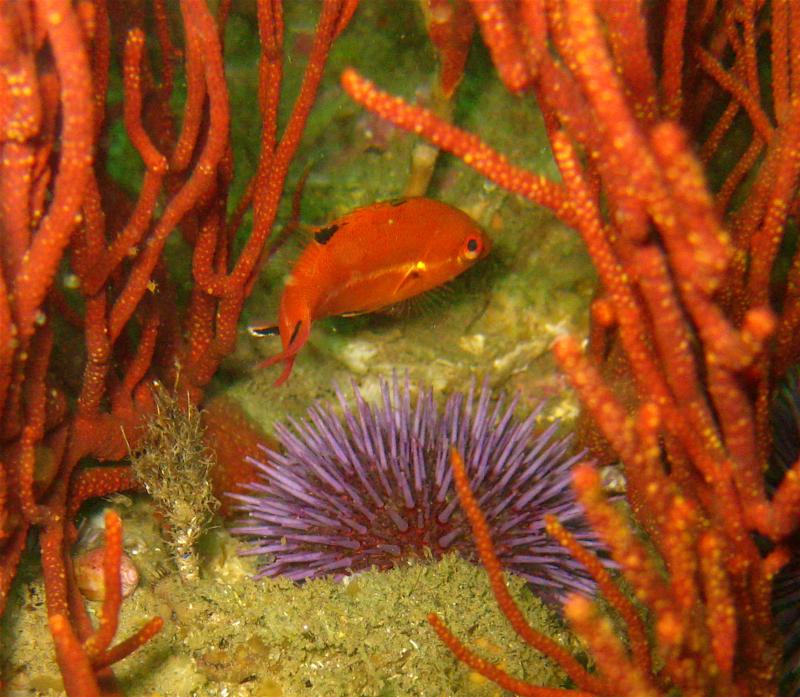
(287, 371)
(288, 355)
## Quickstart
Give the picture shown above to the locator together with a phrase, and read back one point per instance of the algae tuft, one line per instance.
(173, 464)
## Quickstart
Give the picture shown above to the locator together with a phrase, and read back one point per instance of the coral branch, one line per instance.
(491, 671)
(75, 666)
(460, 143)
(483, 543)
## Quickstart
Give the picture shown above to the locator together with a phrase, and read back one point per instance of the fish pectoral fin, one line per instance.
(404, 308)
(261, 330)
(412, 274)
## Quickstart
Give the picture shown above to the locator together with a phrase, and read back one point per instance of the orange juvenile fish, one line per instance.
(369, 259)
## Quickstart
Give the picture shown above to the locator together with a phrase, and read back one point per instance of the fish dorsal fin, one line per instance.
(323, 234)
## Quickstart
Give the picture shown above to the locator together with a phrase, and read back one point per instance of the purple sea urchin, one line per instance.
(374, 486)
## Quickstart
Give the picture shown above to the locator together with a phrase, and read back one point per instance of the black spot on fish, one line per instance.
(395, 202)
(296, 330)
(324, 234)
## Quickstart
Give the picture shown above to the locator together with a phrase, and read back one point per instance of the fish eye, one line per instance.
(472, 248)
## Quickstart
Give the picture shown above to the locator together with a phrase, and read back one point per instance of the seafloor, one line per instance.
(229, 635)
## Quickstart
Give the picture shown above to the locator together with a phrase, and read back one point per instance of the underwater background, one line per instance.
(607, 398)
(226, 634)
